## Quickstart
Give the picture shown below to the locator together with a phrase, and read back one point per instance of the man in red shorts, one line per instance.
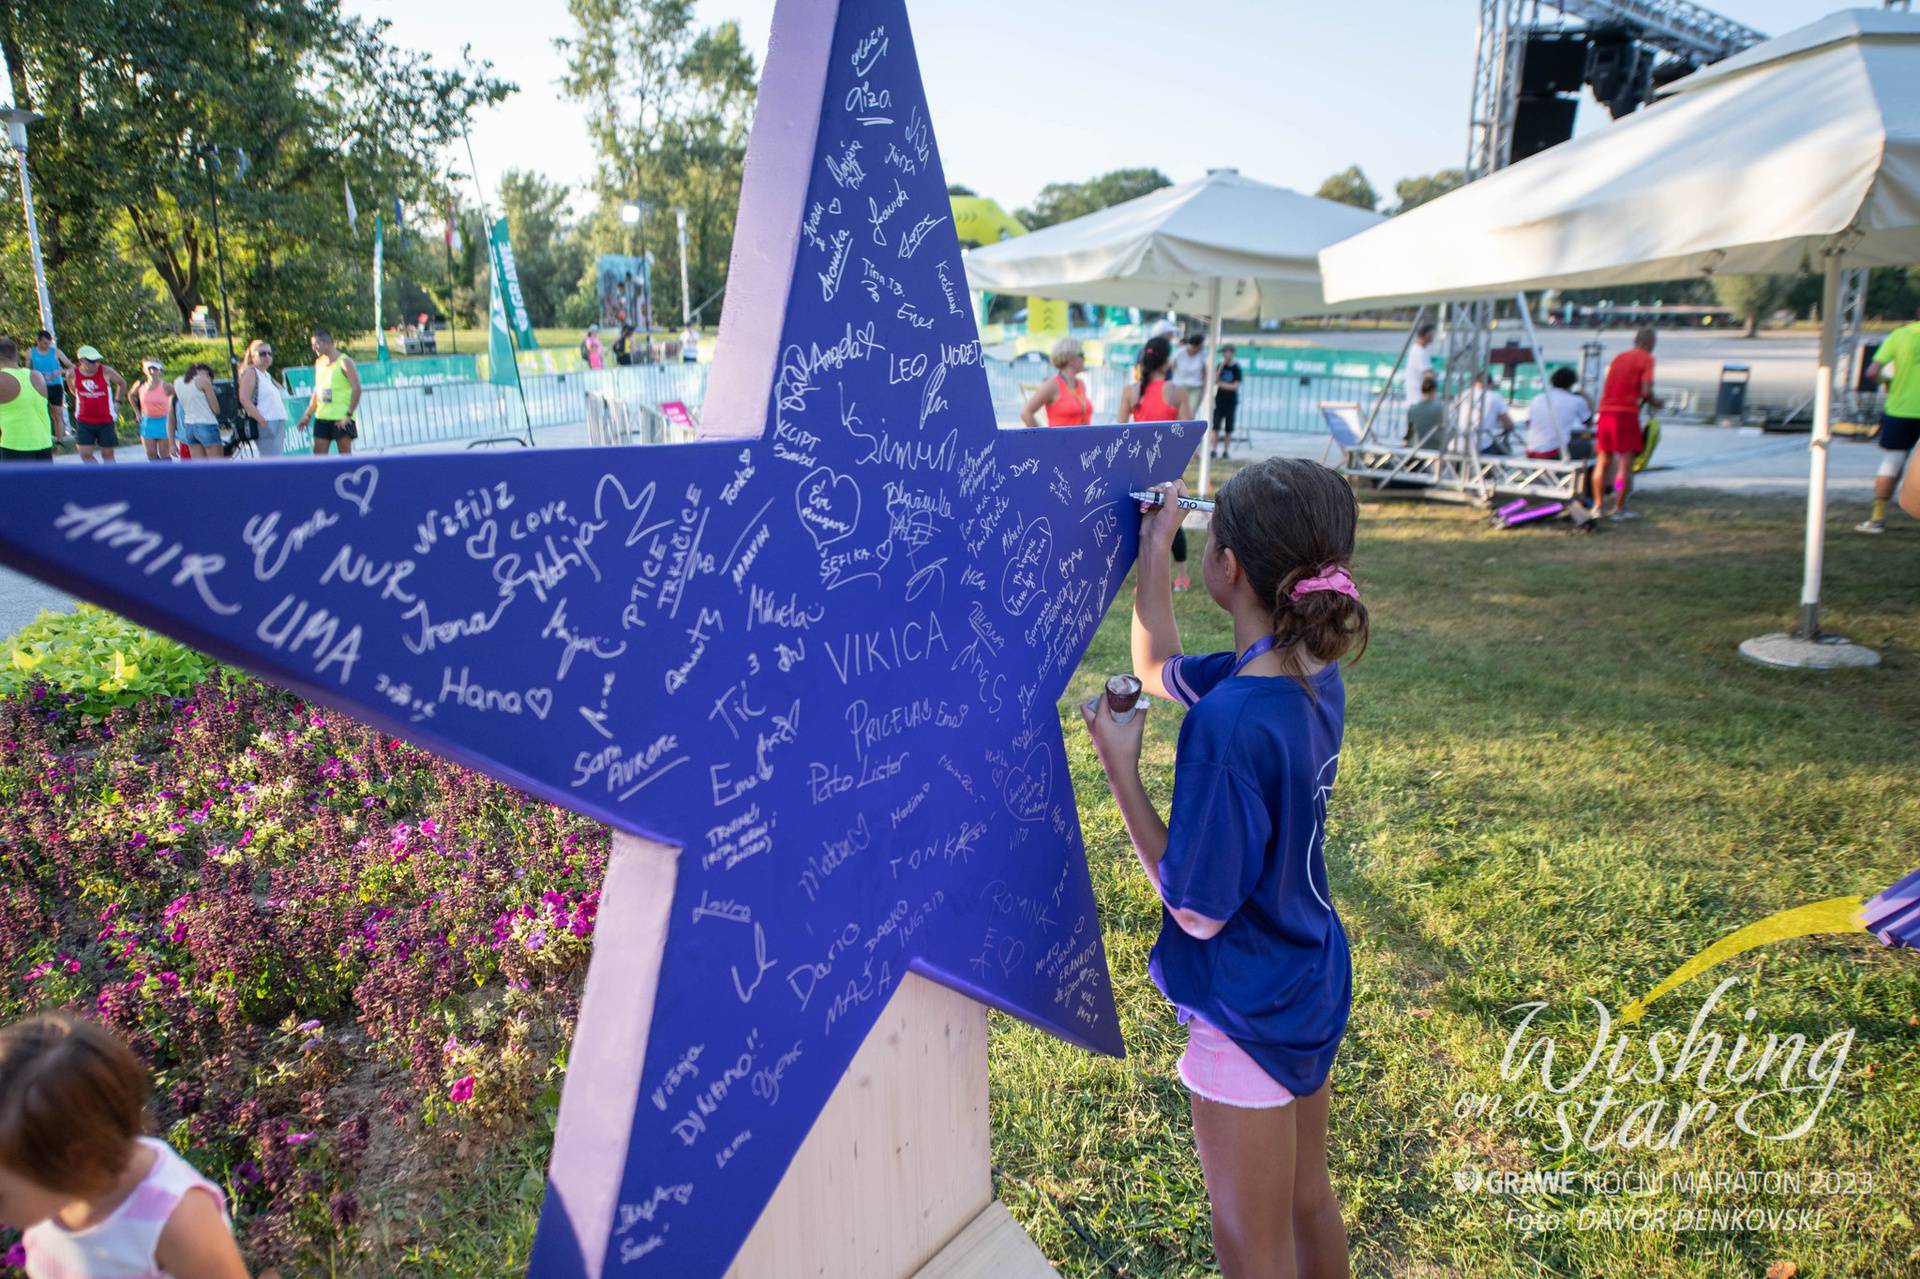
(1617, 438)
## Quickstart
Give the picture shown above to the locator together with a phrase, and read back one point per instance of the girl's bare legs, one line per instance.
(1248, 1157)
(1319, 1233)
(1274, 1211)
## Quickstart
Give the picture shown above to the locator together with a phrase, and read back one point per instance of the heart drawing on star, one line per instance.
(540, 701)
(480, 545)
(357, 486)
(829, 505)
(1029, 788)
(1026, 575)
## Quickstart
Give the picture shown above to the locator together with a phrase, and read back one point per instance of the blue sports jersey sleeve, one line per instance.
(1188, 677)
(1217, 844)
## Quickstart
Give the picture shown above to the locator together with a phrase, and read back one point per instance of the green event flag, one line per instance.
(501, 370)
(509, 281)
(379, 257)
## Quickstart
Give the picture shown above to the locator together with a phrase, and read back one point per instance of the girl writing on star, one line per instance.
(1251, 952)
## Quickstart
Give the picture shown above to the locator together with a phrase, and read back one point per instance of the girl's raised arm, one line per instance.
(1156, 636)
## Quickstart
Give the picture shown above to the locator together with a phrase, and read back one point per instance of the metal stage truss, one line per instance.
(1685, 31)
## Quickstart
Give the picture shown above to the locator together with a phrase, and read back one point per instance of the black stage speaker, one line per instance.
(1539, 123)
(1553, 62)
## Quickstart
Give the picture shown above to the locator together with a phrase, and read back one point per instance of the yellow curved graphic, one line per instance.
(1835, 915)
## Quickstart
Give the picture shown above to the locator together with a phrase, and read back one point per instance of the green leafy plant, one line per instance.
(101, 658)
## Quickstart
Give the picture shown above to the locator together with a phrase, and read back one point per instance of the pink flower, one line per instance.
(462, 1090)
(299, 1138)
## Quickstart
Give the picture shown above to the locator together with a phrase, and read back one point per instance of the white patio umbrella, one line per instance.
(1224, 246)
(1804, 150)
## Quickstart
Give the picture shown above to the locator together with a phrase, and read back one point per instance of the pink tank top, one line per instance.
(121, 1246)
(154, 399)
(1070, 405)
(1152, 405)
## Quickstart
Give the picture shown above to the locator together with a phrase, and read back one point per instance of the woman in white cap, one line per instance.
(590, 349)
(261, 400)
(154, 396)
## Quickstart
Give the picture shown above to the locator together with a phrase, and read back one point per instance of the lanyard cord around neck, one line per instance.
(1255, 649)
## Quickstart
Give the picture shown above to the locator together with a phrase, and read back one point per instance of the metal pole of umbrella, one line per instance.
(1206, 395)
(17, 121)
(1805, 647)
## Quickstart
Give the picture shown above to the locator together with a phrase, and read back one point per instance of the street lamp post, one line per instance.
(17, 121)
(210, 164)
(632, 213)
(686, 314)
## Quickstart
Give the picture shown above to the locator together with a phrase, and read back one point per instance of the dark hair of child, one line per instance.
(1286, 520)
(73, 1099)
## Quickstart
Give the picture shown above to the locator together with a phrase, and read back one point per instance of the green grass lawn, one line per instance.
(1559, 781)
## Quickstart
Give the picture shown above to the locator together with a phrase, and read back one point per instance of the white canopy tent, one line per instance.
(1802, 151)
(1224, 246)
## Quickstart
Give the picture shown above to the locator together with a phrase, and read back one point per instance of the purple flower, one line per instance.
(462, 1089)
(536, 939)
(16, 1256)
(310, 1025)
(299, 1138)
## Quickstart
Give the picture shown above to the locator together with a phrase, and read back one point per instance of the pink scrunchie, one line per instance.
(1332, 578)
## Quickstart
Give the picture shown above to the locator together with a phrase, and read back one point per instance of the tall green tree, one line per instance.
(549, 251)
(1411, 193)
(1752, 297)
(148, 122)
(1350, 186)
(1064, 201)
(669, 105)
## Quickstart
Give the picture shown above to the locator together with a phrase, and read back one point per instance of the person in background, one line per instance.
(590, 348)
(1190, 368)
(690, 345)
(154, 397)
(1226, 400)
(1910, 493)
(52, 364)
(1064, 395)
(336, 396)
(197, 413)
(1897, 361)
(1426, 416)
(1618, 437)
(622, 346)
(98, 390)
(261, 400)
(1164, 327)
(1419, 359)
(93, 1196)
(1555, 414)
(1151, 398)
(1251, 953)
(26, 422)
(1485, 411)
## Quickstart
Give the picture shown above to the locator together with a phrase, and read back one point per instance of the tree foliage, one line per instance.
(549, 251)
(147, 119)
(1411, 193)
(1752, 297)
(1350, 186)
(1064, 201)
(669, 105)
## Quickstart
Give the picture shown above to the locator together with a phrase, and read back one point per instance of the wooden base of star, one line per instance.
(893, 1182)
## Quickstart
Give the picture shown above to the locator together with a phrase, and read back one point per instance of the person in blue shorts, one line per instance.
(1251, 951)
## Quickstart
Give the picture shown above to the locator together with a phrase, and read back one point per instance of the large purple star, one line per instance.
(824, 661)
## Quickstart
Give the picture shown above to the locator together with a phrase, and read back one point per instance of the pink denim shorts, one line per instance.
(1218, 1069)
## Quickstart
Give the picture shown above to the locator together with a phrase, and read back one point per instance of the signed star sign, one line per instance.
(823, 659)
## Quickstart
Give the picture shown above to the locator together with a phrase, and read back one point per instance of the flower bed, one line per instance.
(342, 956)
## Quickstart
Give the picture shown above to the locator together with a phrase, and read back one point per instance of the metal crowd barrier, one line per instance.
(611, 420)
(451, 413)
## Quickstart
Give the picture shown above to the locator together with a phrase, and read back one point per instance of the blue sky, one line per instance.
(1024, 92)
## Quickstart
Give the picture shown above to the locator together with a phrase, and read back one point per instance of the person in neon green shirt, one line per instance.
(336, 396)
(1897, 362)
(26, 423)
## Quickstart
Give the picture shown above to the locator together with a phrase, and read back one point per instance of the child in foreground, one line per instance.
(1250, 949)
(96, 1199)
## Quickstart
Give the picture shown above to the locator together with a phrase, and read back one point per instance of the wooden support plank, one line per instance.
(993, 1246)
(897, 1164)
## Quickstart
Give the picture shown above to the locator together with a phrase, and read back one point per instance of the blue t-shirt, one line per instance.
(1256, 760)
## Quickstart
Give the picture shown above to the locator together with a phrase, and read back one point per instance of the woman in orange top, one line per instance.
(155, 398)
(1064, 395)
(1154, 399)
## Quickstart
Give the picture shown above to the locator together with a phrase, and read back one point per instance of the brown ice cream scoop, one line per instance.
(1123, 697)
